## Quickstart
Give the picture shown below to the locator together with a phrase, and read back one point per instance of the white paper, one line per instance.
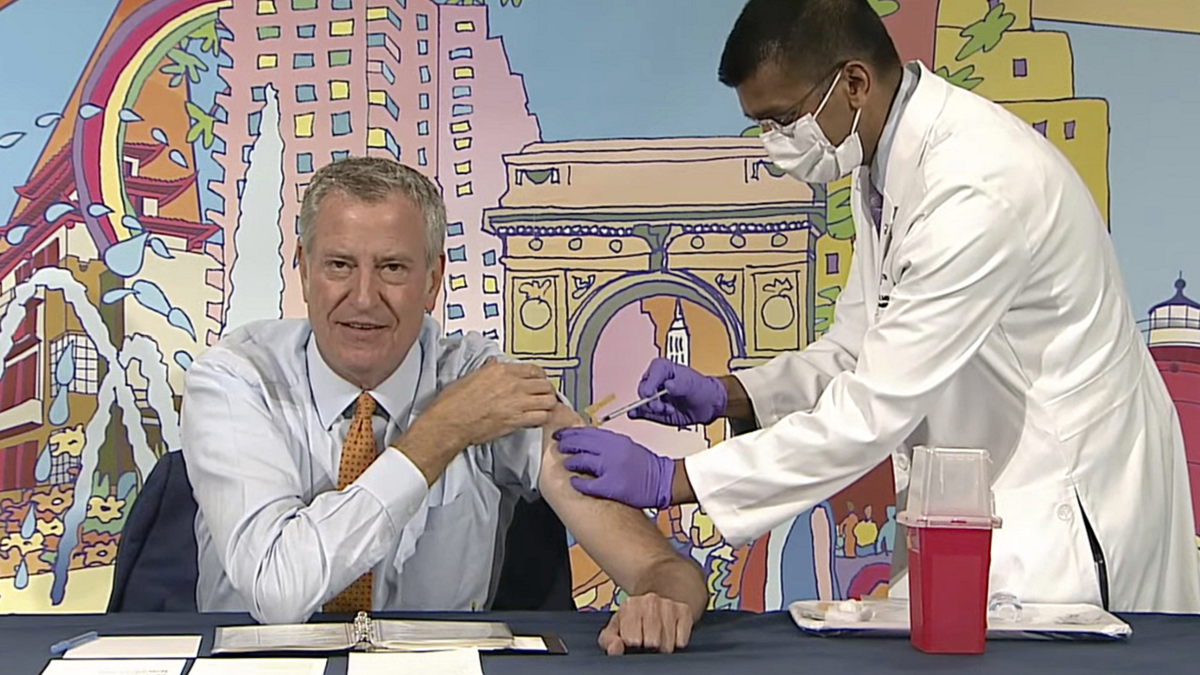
(529, 643)
(258, 667)
(449, 662)
(117, 667)
(138, 647)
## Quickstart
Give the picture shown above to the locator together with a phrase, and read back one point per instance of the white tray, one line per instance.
(1036, 622)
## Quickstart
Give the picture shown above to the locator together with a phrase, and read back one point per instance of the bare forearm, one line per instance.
(430, 447)
(681, 485)
(678, 579)
(737, 402)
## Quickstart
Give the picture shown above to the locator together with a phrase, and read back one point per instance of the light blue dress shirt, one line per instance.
(263, 420)
(910, 76)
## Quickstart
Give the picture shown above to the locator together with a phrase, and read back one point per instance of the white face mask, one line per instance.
(804, 151)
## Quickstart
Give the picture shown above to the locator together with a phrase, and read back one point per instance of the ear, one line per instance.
(302, 263)
(436, 271)
(859, 80)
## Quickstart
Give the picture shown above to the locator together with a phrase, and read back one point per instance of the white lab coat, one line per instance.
(988, 312)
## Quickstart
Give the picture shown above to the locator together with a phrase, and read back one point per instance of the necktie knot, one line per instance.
(364, 407)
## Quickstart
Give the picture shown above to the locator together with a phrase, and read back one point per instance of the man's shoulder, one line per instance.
(269, 350)
(461, 353)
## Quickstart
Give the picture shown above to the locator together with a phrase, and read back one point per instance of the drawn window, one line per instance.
(258, 94)
(489, 258)
(246, 150)
(1040, 127)
(462, 143)
(268, 32)
(307, 31)
(339, 90)
(422, 160)
(387, 72)
(343, 4)
(383, 13)
(454, 229)
(454, 311)
(341, 28)
(463, 168)
(457, 254)
(267, 61)
(464, 27)
(20, 381)
(85, 358)
(303, 61)
(300, 5)
(464, 189)
(461, 91)
(1069, 130)
(461, 109)
(458, 282)
(306, 93)
(304, 162)
(423, 128)
(254, 125)
(422, 47)
(339, 57)
(426, 77)
(422, 22)
(831, 263)
(19, 461)
(376, 39)
(460, 53)
(266, 6)
(491, 334)
(339, 155)
(303, 125)
(464, 73)
(490, 310)
(423, 101)
(1020, 68)
(491, 285)
(340, 121)
(460, 127)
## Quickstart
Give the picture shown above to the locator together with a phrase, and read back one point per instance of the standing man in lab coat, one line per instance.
(984, 309)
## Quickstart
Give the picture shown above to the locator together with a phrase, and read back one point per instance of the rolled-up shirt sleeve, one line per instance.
(284, 556)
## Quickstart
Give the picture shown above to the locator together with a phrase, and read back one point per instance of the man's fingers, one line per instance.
(651, 623)
(610, 638)
(583, 462)
(683, 628)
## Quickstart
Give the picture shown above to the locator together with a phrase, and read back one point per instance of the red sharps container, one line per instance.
(950, 518)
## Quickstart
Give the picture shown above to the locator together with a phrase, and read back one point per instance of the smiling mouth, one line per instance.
(356, 326)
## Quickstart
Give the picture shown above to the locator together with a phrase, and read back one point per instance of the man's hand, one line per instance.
(623, 470)
(494, 401)
(691, 398)
(647, 622)
(490, 403)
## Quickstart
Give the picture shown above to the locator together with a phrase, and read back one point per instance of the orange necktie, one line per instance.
(358, 451)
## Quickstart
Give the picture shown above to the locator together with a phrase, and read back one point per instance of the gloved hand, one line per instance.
(691, 398)
(624, 470)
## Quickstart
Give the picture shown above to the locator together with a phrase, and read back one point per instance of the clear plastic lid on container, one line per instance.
(950, 483)
(909, 519)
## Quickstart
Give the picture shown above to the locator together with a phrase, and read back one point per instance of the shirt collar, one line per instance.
(333, 395)
(909, 77)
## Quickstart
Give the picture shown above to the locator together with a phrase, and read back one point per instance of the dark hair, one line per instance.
(808, 38)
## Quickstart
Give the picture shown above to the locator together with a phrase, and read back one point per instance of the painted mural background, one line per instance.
(606, 202)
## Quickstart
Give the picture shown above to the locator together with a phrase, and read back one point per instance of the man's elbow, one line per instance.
(273, 607)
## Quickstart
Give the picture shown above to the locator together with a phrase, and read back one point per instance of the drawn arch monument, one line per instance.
(589, 227)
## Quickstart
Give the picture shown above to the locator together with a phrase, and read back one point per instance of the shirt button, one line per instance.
(1065, 513)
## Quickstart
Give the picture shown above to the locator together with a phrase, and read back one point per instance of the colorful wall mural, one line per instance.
(607, 205)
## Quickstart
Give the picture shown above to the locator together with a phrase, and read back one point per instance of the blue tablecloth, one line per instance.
(724, 642)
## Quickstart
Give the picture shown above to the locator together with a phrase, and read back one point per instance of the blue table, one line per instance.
(729, 643)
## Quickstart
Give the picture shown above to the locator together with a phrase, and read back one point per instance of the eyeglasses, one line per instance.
(793, 114)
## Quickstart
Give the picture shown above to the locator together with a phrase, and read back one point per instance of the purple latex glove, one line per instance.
(691, 398)
(624, 470)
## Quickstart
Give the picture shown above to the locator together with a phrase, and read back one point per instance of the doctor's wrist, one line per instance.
(737, 405)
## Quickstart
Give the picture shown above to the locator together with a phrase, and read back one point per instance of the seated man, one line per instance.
(299, 510)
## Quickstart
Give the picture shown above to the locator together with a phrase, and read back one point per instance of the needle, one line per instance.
(626, 408)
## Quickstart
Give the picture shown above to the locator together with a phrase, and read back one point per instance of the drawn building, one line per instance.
(427, 68)
(1173, 333)
(1030, 73)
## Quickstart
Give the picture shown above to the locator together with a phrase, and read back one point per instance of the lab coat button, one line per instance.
(1065, 513)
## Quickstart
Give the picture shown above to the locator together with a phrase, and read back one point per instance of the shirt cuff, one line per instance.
(397, 483)
(758, 383)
